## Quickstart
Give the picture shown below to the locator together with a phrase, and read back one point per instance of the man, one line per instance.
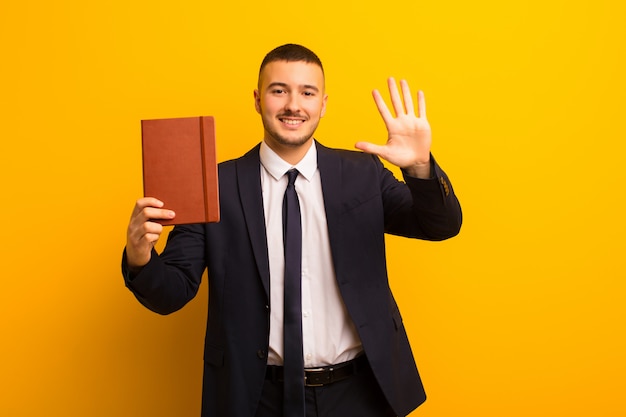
(350, 338)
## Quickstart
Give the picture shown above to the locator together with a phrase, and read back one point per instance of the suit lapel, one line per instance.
(249, 182)
(331, 176)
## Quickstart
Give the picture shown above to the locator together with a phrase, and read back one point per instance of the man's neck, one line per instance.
(291, 154)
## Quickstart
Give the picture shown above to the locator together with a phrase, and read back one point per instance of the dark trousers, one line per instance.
(357, 396)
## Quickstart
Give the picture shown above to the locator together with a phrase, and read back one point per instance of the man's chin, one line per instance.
(297, 142)
(293, 142)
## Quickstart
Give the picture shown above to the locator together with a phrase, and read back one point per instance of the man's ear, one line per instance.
(323, 112)
(257, 101)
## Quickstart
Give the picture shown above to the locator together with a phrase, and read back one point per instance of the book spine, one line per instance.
(205, 179)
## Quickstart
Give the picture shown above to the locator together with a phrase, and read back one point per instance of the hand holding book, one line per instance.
(144, 230)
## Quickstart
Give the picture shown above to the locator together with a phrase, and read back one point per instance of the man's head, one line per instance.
(290, 52)
(290, 98)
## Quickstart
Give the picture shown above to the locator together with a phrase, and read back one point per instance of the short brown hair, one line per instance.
(291, 52)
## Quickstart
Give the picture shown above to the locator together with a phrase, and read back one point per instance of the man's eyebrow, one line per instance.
(284, 85)
(276, 84)
(311, 87)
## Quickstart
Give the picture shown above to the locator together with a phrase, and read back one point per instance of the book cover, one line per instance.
(180, 167)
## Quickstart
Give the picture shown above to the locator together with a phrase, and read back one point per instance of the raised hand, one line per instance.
(409, 135)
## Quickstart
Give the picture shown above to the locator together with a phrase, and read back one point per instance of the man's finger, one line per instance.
(157, 213)
(396, 100)
(406, 95)
(421, 105)
(368, 147)
(382, 107)
(146, 202)
(152, 238)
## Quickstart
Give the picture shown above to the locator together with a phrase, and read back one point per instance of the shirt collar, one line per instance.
(277, 167)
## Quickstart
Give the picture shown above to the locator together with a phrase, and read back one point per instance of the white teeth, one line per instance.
(291, 122)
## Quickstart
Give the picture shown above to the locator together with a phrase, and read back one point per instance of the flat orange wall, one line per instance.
(523, 314)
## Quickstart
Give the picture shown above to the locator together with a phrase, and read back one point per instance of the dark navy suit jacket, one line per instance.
(363, 201)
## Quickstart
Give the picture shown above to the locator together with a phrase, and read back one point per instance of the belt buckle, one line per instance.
(317, 370)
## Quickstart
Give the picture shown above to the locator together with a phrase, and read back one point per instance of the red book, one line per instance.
(180, 167)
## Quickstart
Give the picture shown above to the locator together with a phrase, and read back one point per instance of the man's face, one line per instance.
(291, 100)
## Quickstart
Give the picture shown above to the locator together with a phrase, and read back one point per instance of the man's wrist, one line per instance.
(132, 268)
(421, 171)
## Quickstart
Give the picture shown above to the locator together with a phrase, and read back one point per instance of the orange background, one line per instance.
(522, 314)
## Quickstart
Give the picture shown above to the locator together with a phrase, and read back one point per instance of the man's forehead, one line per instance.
(292, 73)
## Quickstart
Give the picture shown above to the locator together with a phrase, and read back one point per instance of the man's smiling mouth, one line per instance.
(292, 122)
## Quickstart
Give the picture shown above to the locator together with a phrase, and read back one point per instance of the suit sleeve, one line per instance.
(421, 208)
(170, 280)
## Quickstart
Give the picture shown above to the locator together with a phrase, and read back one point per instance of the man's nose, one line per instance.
(293, 103)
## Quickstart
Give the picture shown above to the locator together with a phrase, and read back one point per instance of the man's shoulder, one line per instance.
(351, 162)
(345, 154)
(251, 155)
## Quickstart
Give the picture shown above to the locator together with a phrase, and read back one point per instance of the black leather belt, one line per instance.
(318, 377)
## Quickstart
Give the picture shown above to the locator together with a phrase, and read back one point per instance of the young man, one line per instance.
(352, 356)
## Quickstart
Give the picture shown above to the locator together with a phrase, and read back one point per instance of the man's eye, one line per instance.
(309, 93)
(278, 91)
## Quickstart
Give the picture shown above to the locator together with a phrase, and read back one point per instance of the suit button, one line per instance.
(261, 354)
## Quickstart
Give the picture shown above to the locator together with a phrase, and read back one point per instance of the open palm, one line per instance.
(409, 134)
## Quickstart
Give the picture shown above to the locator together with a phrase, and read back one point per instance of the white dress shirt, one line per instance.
(329, 335)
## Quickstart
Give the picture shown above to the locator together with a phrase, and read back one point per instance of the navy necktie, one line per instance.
(293, 400)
